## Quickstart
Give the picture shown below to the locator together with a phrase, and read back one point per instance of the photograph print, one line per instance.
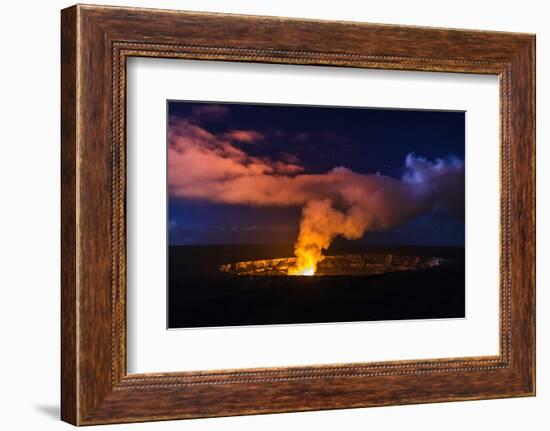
(297, 214)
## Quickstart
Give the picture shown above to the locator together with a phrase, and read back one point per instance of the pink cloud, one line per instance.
(200, 162)
(244, 136)
(206, 166)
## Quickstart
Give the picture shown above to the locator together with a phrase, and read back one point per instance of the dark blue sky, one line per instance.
(365, 140)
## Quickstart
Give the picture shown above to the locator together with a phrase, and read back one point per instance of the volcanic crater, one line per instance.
(346, 264)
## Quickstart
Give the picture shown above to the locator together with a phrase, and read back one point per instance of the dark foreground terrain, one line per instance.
(200, 295)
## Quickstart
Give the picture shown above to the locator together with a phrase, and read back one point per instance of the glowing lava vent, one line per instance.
(347, 264)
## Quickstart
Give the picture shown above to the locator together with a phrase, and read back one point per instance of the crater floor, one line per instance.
(346, 264)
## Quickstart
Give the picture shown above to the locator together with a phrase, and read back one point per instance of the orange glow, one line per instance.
(307, 259)
(298, 271)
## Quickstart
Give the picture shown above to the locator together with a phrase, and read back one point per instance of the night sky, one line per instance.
(365, 140)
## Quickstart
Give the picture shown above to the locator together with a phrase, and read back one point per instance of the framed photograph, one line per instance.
(264, 214)
(374, 231)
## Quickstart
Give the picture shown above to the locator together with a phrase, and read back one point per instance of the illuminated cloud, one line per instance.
(244, 136)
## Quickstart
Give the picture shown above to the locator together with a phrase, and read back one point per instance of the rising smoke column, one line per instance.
(320, 224)
(217, 168)
(374, 202)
